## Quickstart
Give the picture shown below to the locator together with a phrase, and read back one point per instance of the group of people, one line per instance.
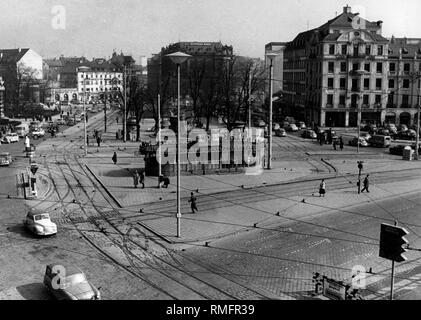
(322, 186)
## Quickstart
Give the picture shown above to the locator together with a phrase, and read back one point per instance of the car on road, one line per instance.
(309, 134)
(280, 132)
(60, 121)
(78, 118)
(10, 138)
(402, 128)
(40, 224)
(292, 127)
(5, 159)
(38, 133)
(361, 141)
(67, 282)
(406, 135)
(71, 122)
(276, 126)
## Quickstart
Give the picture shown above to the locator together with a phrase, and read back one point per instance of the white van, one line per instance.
(22, 130)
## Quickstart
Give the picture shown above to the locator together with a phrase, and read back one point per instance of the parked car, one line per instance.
(405, 135)
(60, 121)
(361, 141)
(22, 130)
(70, 122)
(402, 128)
(68, 282)
(78, 118)
(380, 141)
(309, 134)
(280, 132)
(383, 132)
(365, 135)
(285, 124)
(392, 128)
(38, 133)
(5, 159)
(292, 127)
(10, 138)
(301, 125)
(40, 224)
(371, 128)
(398, 149)
(275, 126)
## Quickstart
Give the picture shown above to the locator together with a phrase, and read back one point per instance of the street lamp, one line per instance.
(84, 69)
(359, 73)
(271, 56)
(178, 58)
(414, 77)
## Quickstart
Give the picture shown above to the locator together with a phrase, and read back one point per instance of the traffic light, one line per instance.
(360, 165)
(391, 242)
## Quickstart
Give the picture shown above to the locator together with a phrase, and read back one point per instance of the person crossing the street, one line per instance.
(366, 184)
(193, 203)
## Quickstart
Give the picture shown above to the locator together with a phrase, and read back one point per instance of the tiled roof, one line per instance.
(12, 55)
(408, 50)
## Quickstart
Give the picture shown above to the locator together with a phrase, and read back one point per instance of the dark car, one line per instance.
(309, 134)
(383, 132)
(405, 135)
(398, 149)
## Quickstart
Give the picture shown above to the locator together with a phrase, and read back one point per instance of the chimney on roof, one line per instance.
(347, 9)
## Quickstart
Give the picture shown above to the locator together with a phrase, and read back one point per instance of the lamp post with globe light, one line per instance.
(270, 56)
(178, 58)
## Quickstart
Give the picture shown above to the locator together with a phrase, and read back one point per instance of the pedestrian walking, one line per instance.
(334, 144)
(114, 158)
(322, 188)
(366, 184)
(341, 143)
(98, 141)
(142, 179)
(193, 203)
(136, 178)
(116, 119)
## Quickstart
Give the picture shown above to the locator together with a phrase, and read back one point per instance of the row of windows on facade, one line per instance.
(357, 49)
(101, 89)
(406, 84)
(106, 82)
(366, 100)
(95, 75)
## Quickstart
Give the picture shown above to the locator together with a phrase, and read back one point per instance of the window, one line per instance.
(355, 66)
(342, 83)
(380, 50)
(367, 67)
(390, 99)
(355, 85)
(367, 84)
(378, 99)
(391, 84)
(365, 99)
(392, 67)
(368, 49)
(344, 49)
(378, 84)
(342, 100)
(331, 67)
(332, 49)
(406, 83)
(330, 83)
(343, 66)
(379, 67)
(330, 99)
(406, 67)
(405, 100)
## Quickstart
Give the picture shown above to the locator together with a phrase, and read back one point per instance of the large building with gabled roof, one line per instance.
(333, 71)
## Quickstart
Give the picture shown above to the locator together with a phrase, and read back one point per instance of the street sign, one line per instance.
(334, 289)
(391, 242)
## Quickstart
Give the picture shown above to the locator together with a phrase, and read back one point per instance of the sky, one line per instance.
(94, 28)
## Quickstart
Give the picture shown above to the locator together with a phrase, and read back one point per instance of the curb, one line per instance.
(105, 188)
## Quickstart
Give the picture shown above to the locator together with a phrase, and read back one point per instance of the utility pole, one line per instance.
(105, 114)
(249, 115)
(159, 141)
(125, 106)
(360, 167)
(418, 118)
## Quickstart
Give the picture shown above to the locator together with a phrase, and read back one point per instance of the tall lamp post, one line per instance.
(359, 73)
(271, 56)
(84, 69)
(178, 58)
(2, 88)
(417, 76)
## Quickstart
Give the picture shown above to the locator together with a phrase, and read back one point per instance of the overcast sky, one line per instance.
(141, 27)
